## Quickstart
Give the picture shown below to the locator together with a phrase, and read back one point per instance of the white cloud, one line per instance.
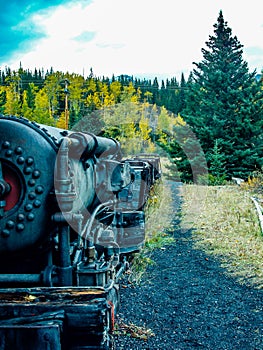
(139, 36)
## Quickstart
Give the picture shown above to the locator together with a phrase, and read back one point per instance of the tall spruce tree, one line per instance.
(225, 103)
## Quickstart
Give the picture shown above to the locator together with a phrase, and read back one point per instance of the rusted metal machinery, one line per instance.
(71, 211)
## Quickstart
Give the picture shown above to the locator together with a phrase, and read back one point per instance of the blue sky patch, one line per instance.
(18, 32)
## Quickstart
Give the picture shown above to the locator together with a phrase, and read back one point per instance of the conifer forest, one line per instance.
(213, 119)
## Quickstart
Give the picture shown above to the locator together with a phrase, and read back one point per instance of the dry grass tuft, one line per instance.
(226, 225)
(131, 330)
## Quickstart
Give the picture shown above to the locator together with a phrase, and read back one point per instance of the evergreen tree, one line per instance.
(181, 96)
(217, 165)
(225, 102)
(163, 95)
(155, 91)
(31, 94)
(173, 95)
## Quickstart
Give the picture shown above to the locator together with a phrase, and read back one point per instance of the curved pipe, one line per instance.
(87, 145)
(87, 228)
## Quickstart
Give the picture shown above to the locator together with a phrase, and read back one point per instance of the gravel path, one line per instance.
(189, 303)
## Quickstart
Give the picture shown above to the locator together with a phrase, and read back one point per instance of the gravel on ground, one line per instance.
(186, 301)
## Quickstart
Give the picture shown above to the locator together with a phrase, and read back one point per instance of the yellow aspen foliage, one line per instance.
(26, 111)
(94, 101)
(138, 94)
(144, 128)
(42, 109)
(61, 123)
(115, 88)
(179, 121)
(129, 93)
(164, 121)
(129, 129)
(91, 85)
(52, 88)
(148, 96)
(12, 105)
(109, 100)
(76, 89)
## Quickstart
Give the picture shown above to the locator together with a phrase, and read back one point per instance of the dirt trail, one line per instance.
(189, 303)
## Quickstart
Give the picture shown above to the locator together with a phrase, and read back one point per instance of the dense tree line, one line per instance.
(217, 112)
(42, 95)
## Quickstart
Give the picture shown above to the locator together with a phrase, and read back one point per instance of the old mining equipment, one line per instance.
(71, 212)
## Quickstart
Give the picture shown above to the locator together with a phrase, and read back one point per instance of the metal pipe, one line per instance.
(62, 178)
(20, 278)
(64, 268)
(63, 183)
(89, 145)
(87, 228)
(107, 146)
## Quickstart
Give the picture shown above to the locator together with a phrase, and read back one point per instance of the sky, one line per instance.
(143, 38)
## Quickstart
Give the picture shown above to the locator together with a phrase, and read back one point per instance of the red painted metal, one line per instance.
(13, 196)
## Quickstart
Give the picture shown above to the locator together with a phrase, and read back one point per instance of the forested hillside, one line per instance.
(26, 92)
(213, 119)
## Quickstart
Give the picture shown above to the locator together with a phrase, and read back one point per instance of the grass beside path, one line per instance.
(225, 224)
(159, 214)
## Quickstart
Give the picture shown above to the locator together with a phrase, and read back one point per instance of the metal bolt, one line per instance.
(6, 144)
(20, 227)
(19, 150)
(20, 217)
(10, 224)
